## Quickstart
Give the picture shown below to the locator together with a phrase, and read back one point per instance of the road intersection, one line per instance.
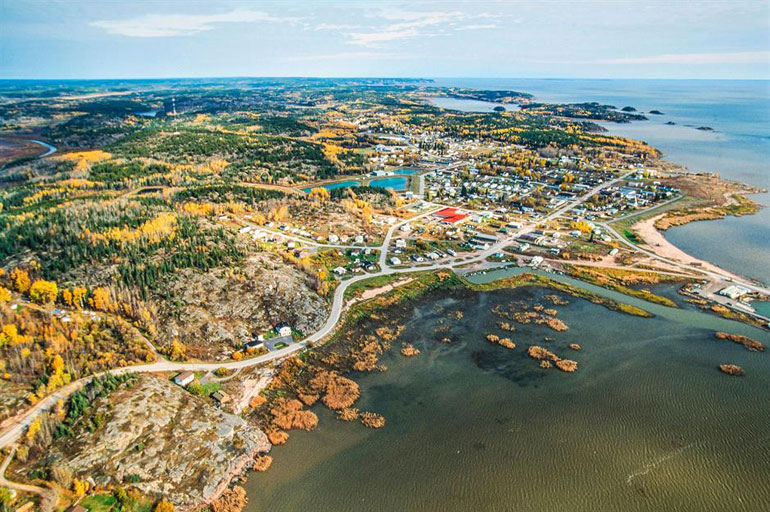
(11, 429)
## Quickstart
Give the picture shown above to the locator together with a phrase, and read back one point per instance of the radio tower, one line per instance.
(173, 104)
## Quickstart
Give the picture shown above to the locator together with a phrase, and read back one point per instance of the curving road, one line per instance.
(13, 428)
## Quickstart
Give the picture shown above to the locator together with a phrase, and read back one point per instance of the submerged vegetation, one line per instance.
(195, 220)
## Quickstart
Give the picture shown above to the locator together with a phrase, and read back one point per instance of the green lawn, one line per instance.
(99, 502)
(631, 236)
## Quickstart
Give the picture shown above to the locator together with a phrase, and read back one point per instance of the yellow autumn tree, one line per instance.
(319, 194)
(21, 280)
(32, 431)
(5, 294)
(43, 292)
(79, 297)
(581, 225)
(279, 214)
(100, 299)
(79, 488)
(177, 351)
(164, 506)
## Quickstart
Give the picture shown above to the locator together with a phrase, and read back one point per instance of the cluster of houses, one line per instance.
(361, 261)
(553, 188)
(274, 230)
(186, 378)
(278, 338)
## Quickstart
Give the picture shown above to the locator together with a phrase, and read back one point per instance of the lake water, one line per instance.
(464, 105)
(333, 186)
(647, 423)
(738, 148)
(397, 183)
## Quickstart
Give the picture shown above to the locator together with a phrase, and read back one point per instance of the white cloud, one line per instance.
(332, 26)
(477, 27)
(760, 57)
(171, 25)
(349, 55)
(411, 24)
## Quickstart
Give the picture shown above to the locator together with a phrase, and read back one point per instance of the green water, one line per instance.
(647, 423)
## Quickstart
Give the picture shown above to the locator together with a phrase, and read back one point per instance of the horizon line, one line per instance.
(373, 77)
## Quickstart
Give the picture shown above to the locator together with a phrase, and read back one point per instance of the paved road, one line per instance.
(14, 427)
(648, 210)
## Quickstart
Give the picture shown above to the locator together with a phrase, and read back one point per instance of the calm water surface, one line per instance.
(397, 183)
(738, 148)
(647, 423)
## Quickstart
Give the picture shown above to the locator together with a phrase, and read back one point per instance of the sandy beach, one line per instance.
(656, 242)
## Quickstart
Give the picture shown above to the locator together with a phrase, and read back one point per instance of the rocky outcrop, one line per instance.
(747, 342)
(171, 443)
(732, 369)
(215, 309)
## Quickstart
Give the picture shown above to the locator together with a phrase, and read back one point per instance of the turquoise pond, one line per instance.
(332, 186)
(397, 183)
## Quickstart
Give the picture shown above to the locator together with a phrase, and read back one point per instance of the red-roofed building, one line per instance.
(446, 212)
(454, 219)
(450, 215)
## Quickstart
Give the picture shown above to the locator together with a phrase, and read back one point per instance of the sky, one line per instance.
(383, 38)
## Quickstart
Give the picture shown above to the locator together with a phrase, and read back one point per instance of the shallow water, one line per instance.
(647, 423)
(737, 149)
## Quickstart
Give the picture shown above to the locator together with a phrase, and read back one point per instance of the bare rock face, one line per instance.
(170, 442)
(215, 310)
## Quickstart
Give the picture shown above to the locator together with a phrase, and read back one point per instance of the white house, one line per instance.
(400, 243)
(536, 261)
(284, 330)
(184, 378)
(395, 261)
(733, 292)
(340, 271)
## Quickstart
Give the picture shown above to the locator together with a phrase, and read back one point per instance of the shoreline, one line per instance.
(656, 241)
(392, 313)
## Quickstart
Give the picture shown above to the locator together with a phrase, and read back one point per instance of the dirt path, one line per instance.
(252, 387)
(373, 292)
(49, 496)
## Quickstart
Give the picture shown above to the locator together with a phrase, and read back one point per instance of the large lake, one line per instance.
(647, 423)
(738, 148)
